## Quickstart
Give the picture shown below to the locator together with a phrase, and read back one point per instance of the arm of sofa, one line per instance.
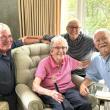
(77, 80)
(29, 99)
(4, 105)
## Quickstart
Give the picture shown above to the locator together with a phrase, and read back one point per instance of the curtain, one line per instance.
(39, 17)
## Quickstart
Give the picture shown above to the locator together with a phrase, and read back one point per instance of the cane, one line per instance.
(57, 88)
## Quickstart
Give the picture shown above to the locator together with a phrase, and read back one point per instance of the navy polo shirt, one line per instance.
(7, 72)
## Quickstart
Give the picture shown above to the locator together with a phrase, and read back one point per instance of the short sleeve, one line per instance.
(73, 62)
(92, 71)
(41, 70)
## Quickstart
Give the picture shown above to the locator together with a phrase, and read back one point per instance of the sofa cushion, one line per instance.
(4, 105)
(26, 59)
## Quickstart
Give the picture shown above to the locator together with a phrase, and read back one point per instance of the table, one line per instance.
(105, 97)
(101, 92)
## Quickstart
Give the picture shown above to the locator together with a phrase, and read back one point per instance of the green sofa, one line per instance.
(26, 59)
(4, 105)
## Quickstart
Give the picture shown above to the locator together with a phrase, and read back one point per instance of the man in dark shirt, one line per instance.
(7, 72)
(80, 45)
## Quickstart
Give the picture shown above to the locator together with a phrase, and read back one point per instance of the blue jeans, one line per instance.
(73, 101)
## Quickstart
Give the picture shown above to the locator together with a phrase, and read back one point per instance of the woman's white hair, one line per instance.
(4, 27)
(58, 39)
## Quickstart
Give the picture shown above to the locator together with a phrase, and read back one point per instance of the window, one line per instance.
(68, 11)
(97, 15)
(93, 14)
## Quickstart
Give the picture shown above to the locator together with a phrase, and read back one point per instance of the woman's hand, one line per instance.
(56, 96)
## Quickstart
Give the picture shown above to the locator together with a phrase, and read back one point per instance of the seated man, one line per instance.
(80, 45)
(100, 63)
(53, 79)
(7, 70)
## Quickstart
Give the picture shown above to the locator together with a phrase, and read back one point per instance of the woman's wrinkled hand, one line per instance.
(56, 96)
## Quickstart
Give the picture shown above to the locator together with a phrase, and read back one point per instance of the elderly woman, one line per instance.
(81, 46)
(53, 78)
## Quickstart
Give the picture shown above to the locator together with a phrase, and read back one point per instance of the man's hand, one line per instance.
(45, 41)
(84, 91)
(31, 39)
(84, 64)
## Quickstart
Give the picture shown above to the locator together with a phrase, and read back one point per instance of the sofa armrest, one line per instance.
(77, 80)
(29, 99)
(4, 105)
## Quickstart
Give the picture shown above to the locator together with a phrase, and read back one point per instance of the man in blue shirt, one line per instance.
(7, 72)
(100, 62)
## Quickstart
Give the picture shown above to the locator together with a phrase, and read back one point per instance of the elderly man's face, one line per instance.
(73, 29)
(102, 43)
(5, 41)
(58, 51)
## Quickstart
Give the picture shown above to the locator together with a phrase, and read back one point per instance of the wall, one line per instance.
(9, 15)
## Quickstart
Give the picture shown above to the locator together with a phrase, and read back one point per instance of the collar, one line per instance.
(1, 55)
(53, 63)
(7, 54)
(78, 40)
(106, 59)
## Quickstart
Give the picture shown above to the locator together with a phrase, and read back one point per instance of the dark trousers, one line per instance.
(11, 99)
(73, 101)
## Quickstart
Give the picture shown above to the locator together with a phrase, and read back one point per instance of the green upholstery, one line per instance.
(26, 59)
(4, 105)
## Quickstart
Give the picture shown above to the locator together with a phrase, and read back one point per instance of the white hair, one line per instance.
(58, 39)
(4, 27)
(104, 30)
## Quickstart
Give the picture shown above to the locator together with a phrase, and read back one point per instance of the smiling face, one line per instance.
(73, 29)
(5, 38)
(102, 42)
(58, 50)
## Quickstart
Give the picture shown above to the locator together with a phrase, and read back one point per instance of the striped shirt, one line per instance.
(80, 48)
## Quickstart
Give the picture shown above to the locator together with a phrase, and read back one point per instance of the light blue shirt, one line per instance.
(99, 68)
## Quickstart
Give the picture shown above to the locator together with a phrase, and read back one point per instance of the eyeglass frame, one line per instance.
(73, 27)
(3, 38)
(58, 47)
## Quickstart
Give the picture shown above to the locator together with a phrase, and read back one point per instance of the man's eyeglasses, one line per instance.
(3, 38)
(58, 48)
(73, 27)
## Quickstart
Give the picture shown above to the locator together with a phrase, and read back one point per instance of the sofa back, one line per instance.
(26, 59)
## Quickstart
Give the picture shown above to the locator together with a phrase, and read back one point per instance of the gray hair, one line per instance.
(58, 39)
(4, 27)
(104, 30)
